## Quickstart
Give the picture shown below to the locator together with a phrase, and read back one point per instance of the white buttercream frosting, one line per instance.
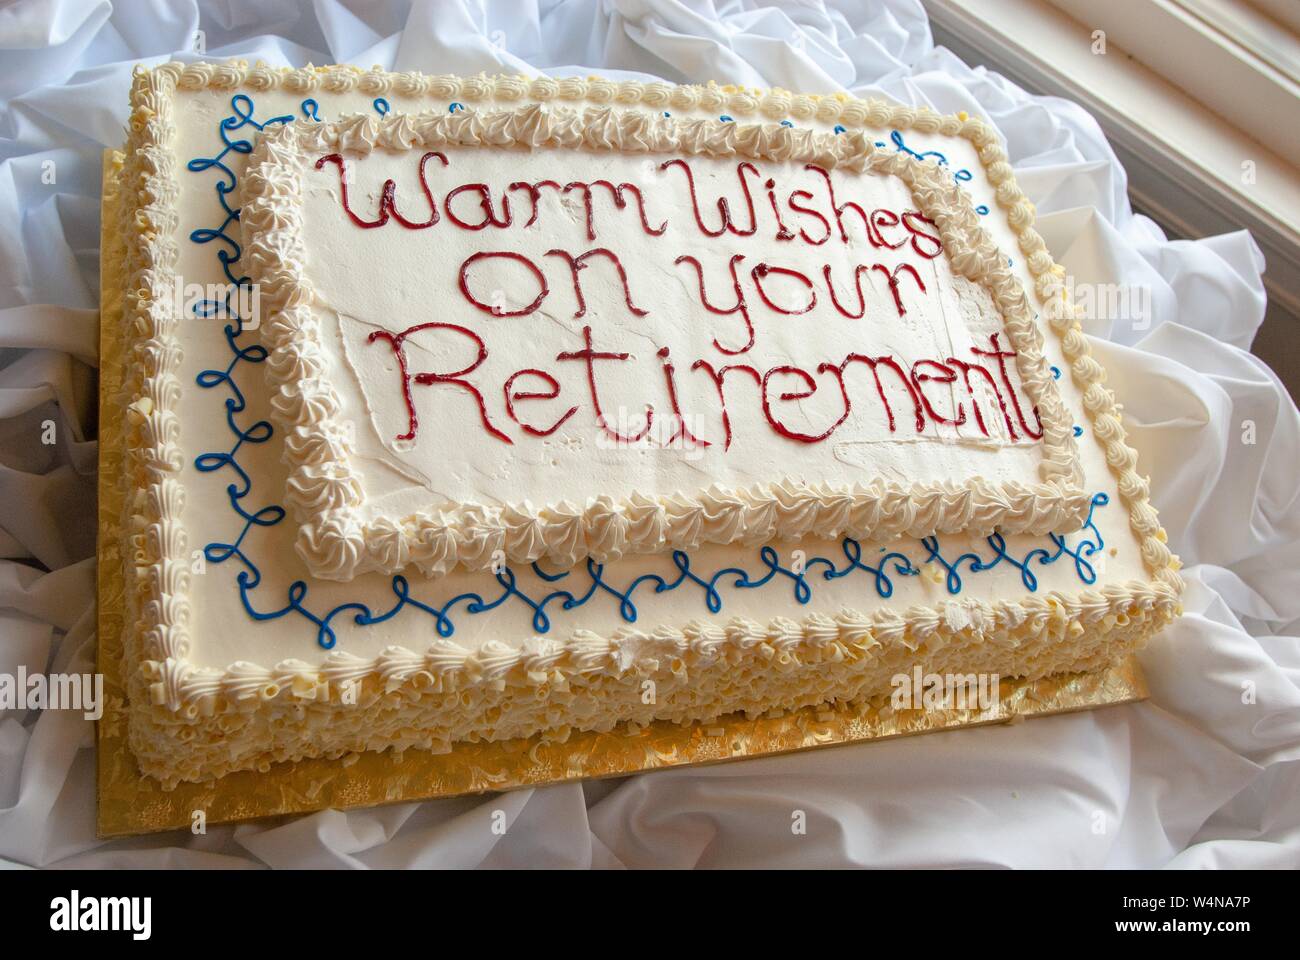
(332, 503)
(196, 715)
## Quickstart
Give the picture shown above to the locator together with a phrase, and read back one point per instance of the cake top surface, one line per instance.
(538, 333)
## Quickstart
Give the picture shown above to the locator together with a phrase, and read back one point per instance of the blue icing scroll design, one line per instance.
(962, 175)
(310, 109)
(561, 591)
(261, 431)
(381, 106)
(1090, 542)
(570, 590)
(230, 251)
(896, 136)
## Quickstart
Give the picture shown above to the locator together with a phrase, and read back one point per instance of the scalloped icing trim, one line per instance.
(325, 491)
(156, 555)
(178, 687)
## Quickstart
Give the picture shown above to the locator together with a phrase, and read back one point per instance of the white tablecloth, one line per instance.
(1194, 777)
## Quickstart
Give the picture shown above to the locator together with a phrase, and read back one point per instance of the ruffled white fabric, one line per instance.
(1195, 777)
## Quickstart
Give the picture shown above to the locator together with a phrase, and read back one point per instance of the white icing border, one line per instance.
(324, 491)
(157, 561)
(180, 689)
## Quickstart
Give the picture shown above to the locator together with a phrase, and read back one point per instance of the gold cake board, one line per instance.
(131, 803)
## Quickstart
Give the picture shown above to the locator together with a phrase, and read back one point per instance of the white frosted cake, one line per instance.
(495, 408)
